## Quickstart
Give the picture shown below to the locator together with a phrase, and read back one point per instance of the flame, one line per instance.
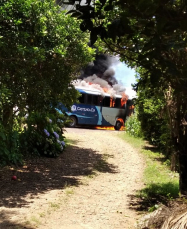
(124, 99)
(104, 127)
(121, 120)
(112, 102)
(105, 89)
(108, 128)
(111, 127)
(131, 110)
(102, 85)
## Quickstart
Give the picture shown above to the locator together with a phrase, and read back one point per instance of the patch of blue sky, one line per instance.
(126, 77)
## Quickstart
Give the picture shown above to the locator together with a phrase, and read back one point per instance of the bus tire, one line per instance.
(118, 125)
(73, 121)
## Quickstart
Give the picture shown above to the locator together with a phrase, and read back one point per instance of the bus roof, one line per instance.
(93, 91)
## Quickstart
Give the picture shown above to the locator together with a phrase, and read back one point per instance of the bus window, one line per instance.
(106, 101)
(92, 99)
(95, 100)
(112, 102)
(118, 103)
(89, 99)
(100, 100)
(81, 98)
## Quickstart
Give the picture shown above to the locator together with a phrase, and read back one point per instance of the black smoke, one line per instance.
(101, 67)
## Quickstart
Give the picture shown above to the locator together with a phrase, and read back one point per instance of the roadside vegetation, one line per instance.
(41, 50)
(161, 184)
(151, 37)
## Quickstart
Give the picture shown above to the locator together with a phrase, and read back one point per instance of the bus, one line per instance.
(96, 108)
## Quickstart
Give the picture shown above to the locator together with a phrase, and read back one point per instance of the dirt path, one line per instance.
(98, 174)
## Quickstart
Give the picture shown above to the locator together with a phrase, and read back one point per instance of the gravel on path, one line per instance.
(104, 201)
(89, 186)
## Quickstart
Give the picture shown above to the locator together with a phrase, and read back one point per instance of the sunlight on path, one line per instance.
(103, 201)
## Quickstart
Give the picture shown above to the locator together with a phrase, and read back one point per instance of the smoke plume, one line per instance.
(100, 75)
(101, 67)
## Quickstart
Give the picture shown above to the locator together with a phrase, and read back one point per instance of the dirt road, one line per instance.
(96, 176)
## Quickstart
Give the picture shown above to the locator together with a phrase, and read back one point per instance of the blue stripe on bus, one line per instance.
(99, 122)
(78, 116)
(80, 90)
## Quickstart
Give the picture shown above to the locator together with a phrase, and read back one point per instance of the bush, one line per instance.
(42, 135)
(133, 126)
(9, 147)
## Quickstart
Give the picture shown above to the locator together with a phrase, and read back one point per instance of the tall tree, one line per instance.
(41, 51)
(152, 35)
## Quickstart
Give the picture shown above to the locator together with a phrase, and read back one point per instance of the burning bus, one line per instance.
(99, 106)
(103, 101)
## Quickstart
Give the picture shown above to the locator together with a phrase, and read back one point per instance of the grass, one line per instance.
(35, 220)
(69, 191)
(92, 175)
(42, 214)
(136, 143)
(161, 184)
(54, 205)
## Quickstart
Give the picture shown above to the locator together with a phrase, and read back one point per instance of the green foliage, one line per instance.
(42, 134)
(44, 50)
(9, 147)
(151, 35)
(151, 106)
(161, 184)
(133, 126)
(41, 51)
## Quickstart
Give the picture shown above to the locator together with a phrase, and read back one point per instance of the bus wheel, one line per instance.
(118, 125)
(73, 121)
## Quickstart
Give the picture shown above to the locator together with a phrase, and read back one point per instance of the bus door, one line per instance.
(112, 110)
(108, 114)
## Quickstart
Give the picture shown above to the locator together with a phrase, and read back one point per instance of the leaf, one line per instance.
(3, 136)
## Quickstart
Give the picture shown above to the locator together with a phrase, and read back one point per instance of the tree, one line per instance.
(152, 35)
(151, 107)
(41, 51)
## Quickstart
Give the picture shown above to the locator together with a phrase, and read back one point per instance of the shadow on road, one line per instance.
(6, 223)
(153, 195)
(45, 174)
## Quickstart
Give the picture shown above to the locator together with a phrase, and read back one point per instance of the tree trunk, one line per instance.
(182, 156)
(7, 117)
(181, 145)
(183, 173)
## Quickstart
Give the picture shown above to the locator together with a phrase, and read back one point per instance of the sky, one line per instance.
(126, 76)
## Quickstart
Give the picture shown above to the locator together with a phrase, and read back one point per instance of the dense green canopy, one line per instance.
(151, 35)
(41, 50)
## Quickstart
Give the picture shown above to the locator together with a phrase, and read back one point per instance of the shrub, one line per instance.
(42, 134)
(133, 126)
(9, 147)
